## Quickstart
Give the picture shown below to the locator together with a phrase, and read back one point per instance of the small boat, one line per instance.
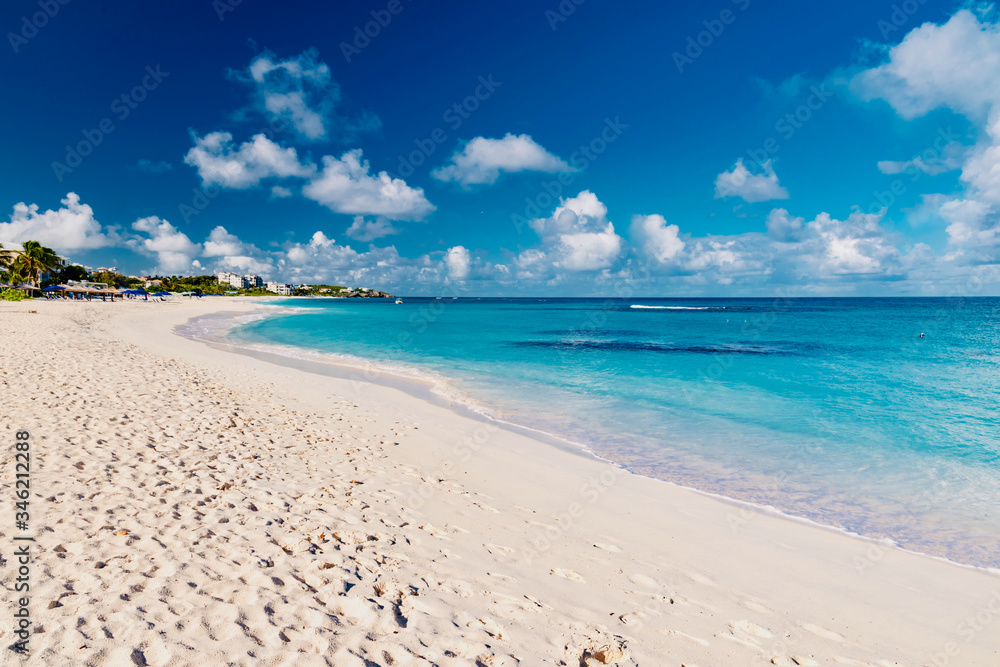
(398, 301)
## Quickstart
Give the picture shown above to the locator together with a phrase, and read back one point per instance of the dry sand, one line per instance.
(196, 506)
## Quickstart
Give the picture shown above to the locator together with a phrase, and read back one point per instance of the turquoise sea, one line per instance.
(833, 410)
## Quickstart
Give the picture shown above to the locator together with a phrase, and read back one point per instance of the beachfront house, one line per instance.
(284, 289)
(236, 281)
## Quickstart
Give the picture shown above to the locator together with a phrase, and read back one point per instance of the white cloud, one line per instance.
(175, 253)
(482, 160)
(577, 237)
(739, 182)
(456, 261)
(365, 230)
(345, 186)
(969, 222)
(299, 91)
(232, 254)
(981, 170)
(931, 163)
(954, 65)
(655, 239)
(323, 260)
(72, 227)
(857, 245)
(219, 162)
(781, 226)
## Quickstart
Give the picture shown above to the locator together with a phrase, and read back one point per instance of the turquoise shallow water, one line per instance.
(835, 410)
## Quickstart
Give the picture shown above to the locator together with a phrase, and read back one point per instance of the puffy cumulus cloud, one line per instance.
(532, 264)
(457, 261)
(300, 92)
(590, 251)
(322, 259)
(220, 162)
(857, 245)
(576, 237)
(740, 182)
(482, 160)
(981, 171)
(345, 185)
(970, 223)
(655, 239)
(782, 226)
(365, 230)
(175, 253)
(232, 254)
(953, 65)
(816, 254)
(723, 260)
(72, 227)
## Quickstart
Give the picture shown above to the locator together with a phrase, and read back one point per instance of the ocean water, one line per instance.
(833, 410)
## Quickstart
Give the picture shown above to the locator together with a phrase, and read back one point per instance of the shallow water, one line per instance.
(835, 410)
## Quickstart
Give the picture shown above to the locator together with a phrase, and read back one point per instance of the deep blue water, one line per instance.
(831, 409)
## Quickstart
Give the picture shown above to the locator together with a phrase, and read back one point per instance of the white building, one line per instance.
(237, 281)
(284, 289)
(233, 280)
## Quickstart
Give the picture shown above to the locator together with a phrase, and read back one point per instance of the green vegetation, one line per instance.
(318, 290)
(13, 295)
(29, 264)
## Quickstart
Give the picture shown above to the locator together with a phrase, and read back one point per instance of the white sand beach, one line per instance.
(194, 506)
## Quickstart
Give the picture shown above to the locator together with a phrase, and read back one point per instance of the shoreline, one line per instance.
(704, 581)
(426, 385)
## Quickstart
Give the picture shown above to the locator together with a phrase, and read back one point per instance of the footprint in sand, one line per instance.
(567, 574)
(823, 632)
(643, 580)
(696, 640)
(498, 549)
(488, 625)
(751, 629)
(754, 605)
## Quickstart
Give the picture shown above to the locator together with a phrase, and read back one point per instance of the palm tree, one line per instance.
(5, 258)
(33, 261)
(4, 264)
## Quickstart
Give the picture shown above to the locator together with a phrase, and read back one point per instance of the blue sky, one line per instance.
(721, 148)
